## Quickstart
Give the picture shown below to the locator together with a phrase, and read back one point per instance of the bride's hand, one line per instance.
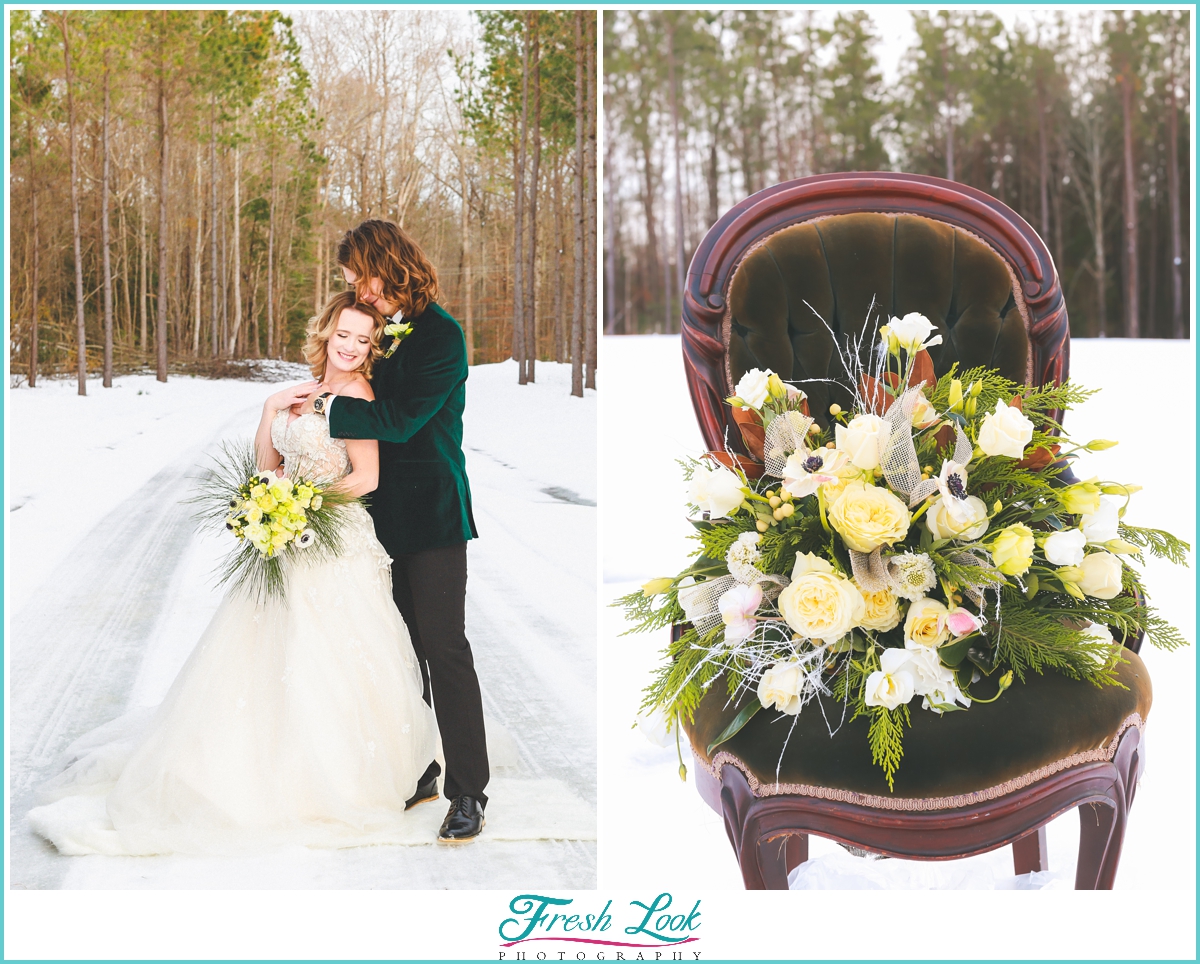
(307, 407)
(295, 395)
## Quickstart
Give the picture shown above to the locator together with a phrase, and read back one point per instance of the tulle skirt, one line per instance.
(293, 722)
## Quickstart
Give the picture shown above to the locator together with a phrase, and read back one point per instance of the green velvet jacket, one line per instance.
(423, 500)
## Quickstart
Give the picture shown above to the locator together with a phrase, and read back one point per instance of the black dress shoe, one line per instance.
(425, 792)
(463, 823)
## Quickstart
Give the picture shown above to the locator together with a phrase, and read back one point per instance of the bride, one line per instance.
(293, 722)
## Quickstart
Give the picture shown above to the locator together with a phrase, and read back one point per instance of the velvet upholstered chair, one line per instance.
(970, 782)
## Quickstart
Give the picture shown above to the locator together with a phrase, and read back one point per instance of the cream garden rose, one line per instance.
(882, 610)
(868, 516)
(1101, 575)
(925, 624)
(862, 440)
(781, 686)
(892, 684)
(970, 521)
(819, 603)
(1006, 431)
(1012, 549)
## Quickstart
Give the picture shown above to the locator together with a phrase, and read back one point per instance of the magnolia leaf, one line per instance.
(744, 716)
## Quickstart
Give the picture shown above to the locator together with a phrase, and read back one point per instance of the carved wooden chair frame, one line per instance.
(769, 834)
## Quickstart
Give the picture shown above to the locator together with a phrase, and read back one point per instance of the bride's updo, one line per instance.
(321, 328)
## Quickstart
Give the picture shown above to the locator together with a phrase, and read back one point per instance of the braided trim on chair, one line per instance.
(1099, 755)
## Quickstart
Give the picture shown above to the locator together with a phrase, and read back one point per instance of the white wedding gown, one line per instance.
(295, 722)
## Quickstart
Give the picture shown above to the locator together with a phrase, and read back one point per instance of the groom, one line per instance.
(422, 507)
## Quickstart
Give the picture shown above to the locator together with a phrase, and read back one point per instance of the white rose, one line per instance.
(1102, 525)
(862, 440)
(752, 387)
(656, 728)
(718, 492)
(972, 521)
(1101, 575)
(913, 331)
(821, 605)
(781, 686)
(892, 684)
(929, 675)
(1006, 431)
(1065, 548)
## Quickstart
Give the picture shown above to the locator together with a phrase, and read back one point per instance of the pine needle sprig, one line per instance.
(1160, 543)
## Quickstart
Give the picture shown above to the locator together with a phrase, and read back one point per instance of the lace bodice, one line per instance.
(308, 451)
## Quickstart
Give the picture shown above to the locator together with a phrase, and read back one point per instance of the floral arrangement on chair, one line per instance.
(926, 546)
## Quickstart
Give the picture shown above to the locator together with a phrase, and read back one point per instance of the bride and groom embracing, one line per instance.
(307, 720)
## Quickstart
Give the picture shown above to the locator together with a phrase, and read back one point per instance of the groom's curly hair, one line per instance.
(381, 249)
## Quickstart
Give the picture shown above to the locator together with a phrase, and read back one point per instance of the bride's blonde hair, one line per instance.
(321, 328)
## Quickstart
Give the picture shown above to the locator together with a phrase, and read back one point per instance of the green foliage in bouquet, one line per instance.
(924, 545)
(278, 522)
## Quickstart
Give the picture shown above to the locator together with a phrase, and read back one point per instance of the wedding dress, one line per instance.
(292, 722)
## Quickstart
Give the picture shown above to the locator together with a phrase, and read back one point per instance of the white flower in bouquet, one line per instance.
(952, 484)
(924, 414)
(1101, 575)
(892, 684)
(1006, 431)
(717, 492)
(753, 388)
(913, 331)
(869, 516)
(742, 557)
(820, 603)
(781, 686)
(862, 440)
(1065, 548)
(882, 610)
(1102, 525)
(925, 624)
(805, 471)
(306, 539)
(737, 607)
(911, 574)
(962, 520)
(657, 727)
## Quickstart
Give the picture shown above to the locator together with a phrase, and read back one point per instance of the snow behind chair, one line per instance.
(770, 286)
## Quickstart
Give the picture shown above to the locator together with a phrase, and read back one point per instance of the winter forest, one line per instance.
(180, 178)
(1078, 120)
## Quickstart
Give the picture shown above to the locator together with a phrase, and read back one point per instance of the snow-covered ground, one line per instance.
(1147, 402)
(108, 589)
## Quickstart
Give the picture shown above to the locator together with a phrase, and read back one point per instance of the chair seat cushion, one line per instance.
(834, 267)
(1036, 728)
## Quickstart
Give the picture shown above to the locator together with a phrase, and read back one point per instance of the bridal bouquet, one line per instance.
(271, 517)
(926, 545)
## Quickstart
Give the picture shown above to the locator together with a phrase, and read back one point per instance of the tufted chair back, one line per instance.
(798, 274)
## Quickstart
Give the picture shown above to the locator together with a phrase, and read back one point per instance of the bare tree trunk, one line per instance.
(197, 260)
(518, 339)
(1101, 271)
(531, 269)
(1177, 321)
(610, 244)
(108, 293)
(80, 333)
(672, 83)
(949, 115)
(144, 265)
(212, 227)
(1152, 260)
(127, 335)
(468, 280)
(1132, 326)
(224, 273)
(237, 243)
(590, 263)
(164, 144)
(1043, 165)
(580, 171)
(33, 326)
(560, 334)
(271, 268)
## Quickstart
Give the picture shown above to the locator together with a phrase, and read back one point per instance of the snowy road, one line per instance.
(109, 619)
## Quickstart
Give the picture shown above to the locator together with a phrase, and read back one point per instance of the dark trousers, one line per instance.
(430, 590)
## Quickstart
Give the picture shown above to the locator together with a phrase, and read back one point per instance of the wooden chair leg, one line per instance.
(797, 851)
(1029, 853)
(1101, 833)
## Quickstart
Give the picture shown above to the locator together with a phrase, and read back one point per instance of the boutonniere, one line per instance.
(399, 330)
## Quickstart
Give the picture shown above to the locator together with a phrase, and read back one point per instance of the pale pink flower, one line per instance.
(961, 622)
(737, 607)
